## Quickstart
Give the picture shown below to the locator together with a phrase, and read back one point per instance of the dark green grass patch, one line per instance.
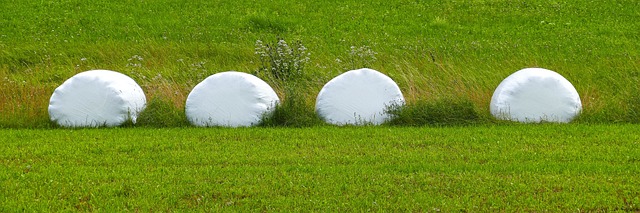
(295, 111)
(162, 113)
(442, 112)
(510, 168)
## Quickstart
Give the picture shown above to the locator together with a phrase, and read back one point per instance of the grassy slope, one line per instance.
(433, 49)
(484, 168)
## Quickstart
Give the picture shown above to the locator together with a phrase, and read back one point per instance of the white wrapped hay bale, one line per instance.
(96, 98)
(231, 99)
(535, 95)
(358, 97)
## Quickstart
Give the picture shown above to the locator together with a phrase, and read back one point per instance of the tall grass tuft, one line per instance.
(294, 111)
(441, 112)
(283, 66)
(633, 107)
(625, 109)
(24, 106)
(161, 113)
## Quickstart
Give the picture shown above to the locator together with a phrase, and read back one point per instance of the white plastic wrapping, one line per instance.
(358, 97)
(96, 98)
(231, 99)
(535, 95)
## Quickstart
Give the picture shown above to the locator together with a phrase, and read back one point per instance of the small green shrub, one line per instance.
(443, 112)
(294, 111)
(283, 66)
(161, 113)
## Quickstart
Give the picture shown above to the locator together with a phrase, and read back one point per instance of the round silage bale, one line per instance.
(358, 97)
(96, 98)
(535, 95)
(231, 99)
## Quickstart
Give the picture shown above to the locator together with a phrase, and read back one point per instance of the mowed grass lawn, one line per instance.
(564, 168)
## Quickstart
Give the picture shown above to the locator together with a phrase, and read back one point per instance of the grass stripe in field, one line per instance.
(482, 168)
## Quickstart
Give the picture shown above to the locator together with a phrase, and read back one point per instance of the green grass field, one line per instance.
(446, 56)
(512, 168)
